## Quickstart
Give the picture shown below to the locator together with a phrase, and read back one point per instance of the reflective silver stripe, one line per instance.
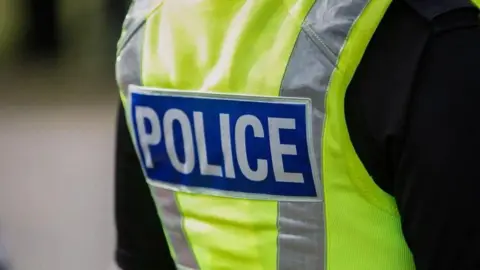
(230, 194)
(128, 67)
(301, 225)
(172, 221)
(135, 18)
(128, 72)
(301, 236)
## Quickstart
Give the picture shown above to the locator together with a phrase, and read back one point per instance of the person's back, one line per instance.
(243, 179)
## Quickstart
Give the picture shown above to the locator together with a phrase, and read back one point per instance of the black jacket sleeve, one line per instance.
(141, 244)
(413, 111)
(437, 177)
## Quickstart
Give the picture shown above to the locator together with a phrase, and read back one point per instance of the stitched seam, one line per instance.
(319, 43)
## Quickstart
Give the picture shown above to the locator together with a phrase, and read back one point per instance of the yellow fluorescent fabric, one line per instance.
(230, 233)
(234, 46)
(355, 206)
(223, 46)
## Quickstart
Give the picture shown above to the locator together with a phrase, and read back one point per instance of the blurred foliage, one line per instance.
(84, 27)
(10, 27)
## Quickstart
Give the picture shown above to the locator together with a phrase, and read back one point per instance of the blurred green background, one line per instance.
(57, 118)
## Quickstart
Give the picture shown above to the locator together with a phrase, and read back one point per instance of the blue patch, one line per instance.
(225, 144)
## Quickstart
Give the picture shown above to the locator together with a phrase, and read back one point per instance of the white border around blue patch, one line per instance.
(156, 96)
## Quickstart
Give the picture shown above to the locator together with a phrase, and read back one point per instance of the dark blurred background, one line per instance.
(58, 99)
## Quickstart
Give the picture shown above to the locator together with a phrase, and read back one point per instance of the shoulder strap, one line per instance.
(430, 9)
(135, 18)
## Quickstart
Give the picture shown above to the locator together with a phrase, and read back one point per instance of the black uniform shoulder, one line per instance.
(378, 96)
(410, 110)
(431, 9)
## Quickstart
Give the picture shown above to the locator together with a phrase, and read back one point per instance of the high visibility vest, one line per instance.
(247, 64)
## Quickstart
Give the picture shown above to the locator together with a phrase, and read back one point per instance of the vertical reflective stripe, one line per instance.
(128, 67)
(301, 225)
(301, 236)
(302, 231)
(172, 221)
(135, 18)
(129, 71)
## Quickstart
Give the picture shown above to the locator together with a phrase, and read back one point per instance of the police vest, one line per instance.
(236, 109)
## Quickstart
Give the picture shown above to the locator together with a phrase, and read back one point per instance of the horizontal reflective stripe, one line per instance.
(229, 194)
(226, 145)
